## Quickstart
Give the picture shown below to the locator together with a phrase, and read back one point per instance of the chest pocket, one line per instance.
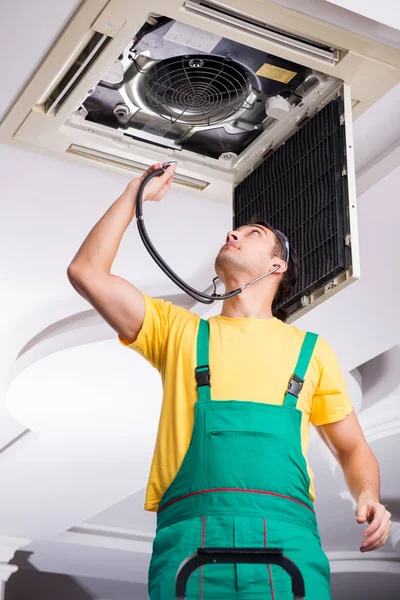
(271, 422)
(247, 449)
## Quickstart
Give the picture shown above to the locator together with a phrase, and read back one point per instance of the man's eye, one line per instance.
(255, 231)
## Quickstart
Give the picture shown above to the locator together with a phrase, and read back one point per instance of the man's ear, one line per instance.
(282, 266)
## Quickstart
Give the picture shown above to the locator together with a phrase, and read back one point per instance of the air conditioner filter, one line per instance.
(301, 189)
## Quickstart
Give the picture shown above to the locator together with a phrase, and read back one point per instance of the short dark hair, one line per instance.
(291, 275)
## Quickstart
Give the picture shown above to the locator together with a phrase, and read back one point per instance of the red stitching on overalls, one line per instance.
(235, 490)
(271, 583)
(203, 541)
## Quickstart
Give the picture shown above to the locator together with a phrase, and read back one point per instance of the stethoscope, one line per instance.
(196, 294)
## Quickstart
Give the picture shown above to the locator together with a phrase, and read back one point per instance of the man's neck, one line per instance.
(250, 303)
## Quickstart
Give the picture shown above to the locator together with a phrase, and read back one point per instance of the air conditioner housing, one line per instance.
(218, 87)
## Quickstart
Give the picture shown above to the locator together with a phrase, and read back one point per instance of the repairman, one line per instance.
(240, 391)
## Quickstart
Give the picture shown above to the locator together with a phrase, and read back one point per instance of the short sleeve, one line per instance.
(151, 340)
(331, 402)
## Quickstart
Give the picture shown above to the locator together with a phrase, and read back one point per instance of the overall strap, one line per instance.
(202, 371)
(297, 380)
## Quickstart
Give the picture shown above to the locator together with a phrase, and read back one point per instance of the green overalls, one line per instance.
(243, 483)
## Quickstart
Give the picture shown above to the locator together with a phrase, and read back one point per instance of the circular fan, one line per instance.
(196, 89)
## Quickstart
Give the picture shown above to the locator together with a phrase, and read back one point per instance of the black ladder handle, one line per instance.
(206, 556)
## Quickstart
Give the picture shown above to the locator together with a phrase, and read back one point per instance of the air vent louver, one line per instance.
(120, 162)
(78, 69)
(238, 20)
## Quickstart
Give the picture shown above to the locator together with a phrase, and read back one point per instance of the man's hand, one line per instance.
(347, 443)
(380, 524)
(156, 188)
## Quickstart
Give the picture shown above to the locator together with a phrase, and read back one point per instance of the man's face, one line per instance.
(249, 250)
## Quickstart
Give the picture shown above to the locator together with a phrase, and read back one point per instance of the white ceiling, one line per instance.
(386, 11)
(29, 31)
(85, 466)
(356, 19)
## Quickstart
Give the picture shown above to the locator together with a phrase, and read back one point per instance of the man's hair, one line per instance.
(291, 275)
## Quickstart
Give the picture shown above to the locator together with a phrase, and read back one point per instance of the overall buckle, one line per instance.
(203, 375)
(295, 385)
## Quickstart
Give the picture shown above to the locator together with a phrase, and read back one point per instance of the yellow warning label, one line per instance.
(276, 73)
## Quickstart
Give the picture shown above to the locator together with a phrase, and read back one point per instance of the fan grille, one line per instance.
(197, 89)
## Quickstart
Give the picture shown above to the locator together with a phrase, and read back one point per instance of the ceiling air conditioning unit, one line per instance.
(253, 100)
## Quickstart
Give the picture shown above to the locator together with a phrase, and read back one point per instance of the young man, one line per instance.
(240, 390)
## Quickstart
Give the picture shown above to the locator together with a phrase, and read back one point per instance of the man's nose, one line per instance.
(232, 236)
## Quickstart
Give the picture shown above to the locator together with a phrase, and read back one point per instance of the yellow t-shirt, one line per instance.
(250, 359)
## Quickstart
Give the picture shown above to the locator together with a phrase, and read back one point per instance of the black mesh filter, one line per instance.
(197, 90)
(301, 190)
